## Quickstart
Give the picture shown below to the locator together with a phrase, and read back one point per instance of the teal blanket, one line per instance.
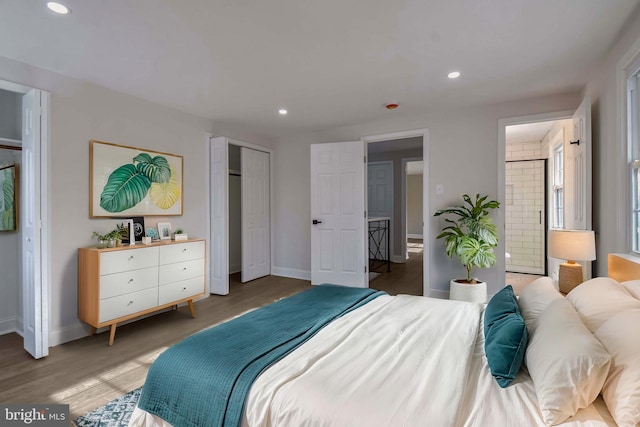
(204, 380)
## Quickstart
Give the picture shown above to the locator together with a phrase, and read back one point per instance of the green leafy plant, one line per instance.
(472, 235)
(179, 231)
(130, 183)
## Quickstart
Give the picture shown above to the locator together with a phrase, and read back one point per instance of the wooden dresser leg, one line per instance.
(93, 331)
(191, 309)
(112, 334)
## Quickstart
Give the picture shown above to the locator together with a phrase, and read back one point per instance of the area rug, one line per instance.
(114, 414)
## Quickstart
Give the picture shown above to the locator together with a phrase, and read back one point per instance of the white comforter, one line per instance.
(397, 361)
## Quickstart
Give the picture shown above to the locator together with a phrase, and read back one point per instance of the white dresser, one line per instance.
(118, 284)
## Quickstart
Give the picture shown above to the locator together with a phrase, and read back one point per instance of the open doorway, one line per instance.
(394, 210)
(24, 240)
(546, 183)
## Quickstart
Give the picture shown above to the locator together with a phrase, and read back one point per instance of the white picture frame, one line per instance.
(164, 230)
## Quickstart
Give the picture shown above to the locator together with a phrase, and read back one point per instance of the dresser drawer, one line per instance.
(122, 305)
(181, 271)
(127, 260)
(115, 284)
(181, 252)
(179, 290)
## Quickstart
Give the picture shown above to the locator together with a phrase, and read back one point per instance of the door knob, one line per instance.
(315, 222)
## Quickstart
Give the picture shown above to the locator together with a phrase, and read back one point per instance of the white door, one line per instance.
(577, 158)
(524, 216)
(578, 184)
(380, 204)
(35, 299)
(219, 252)
(338, 252)
(256, 243)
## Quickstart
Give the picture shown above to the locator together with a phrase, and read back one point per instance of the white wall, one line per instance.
(414, 204)
(10, 115)
(610, 176)
(463, 158)
(81, 112)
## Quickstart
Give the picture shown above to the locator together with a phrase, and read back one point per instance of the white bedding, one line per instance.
(396, 361)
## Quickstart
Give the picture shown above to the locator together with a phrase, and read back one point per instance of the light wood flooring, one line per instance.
(404, 278)
(87, 373)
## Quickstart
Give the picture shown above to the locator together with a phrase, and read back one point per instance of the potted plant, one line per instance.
(179, 234)
(471, 236)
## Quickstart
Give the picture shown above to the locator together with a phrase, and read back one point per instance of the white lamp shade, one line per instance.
(572, 245)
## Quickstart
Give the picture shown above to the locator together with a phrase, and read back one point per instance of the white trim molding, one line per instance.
(292, 273)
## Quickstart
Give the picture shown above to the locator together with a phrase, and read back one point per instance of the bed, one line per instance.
(412, 361)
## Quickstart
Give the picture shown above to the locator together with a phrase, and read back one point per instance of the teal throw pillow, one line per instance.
(505, 336)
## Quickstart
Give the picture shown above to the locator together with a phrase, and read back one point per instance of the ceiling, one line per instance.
(330, 63)
(528, 132)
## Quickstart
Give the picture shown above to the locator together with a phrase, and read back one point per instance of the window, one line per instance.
(633, 137)
(558, 188)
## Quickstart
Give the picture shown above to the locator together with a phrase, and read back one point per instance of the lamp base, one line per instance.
(569, 276)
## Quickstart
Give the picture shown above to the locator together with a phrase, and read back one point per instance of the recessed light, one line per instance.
(282, 112)
(454, 74)
(58, 8)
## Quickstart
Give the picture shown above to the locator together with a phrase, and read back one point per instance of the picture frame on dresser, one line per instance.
(164, 230)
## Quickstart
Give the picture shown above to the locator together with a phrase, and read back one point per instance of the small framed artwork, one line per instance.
(138, 228)
(164, 230)
(126, 227)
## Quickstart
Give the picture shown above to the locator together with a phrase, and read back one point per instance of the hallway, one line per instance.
(403, 278)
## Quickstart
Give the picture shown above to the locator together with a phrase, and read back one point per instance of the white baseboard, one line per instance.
(398, 259)
(70, 333)
(414, 236)
(293, 273)
(235, 269)
(437, 293)
(8, 325)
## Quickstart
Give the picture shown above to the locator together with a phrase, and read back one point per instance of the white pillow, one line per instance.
(621, 390)
(599, 299)
(633, 287)
(534, 298)
(567, 364)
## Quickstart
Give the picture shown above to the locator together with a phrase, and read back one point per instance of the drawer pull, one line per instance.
(184, 289)
(131, 257)
(184, 250)
(130, 302)
(130, 280)
(184, 269)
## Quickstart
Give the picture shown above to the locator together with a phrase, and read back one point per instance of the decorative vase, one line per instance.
(111, 243)
(102, 243)
(468, 292)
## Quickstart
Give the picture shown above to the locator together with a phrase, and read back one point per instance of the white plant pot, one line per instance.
(178, 237)
(468, 292)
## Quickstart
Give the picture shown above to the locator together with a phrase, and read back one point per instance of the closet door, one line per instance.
(219, 216)
(256, 243)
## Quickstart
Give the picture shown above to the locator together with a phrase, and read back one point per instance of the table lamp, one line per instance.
(571, 245)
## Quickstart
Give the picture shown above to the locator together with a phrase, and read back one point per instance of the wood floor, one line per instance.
(87, 373)
(404, 278)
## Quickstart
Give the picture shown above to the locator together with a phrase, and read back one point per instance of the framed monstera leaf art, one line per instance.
(129, 181)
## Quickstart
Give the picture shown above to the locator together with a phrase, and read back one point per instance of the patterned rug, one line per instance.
(114, 414)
